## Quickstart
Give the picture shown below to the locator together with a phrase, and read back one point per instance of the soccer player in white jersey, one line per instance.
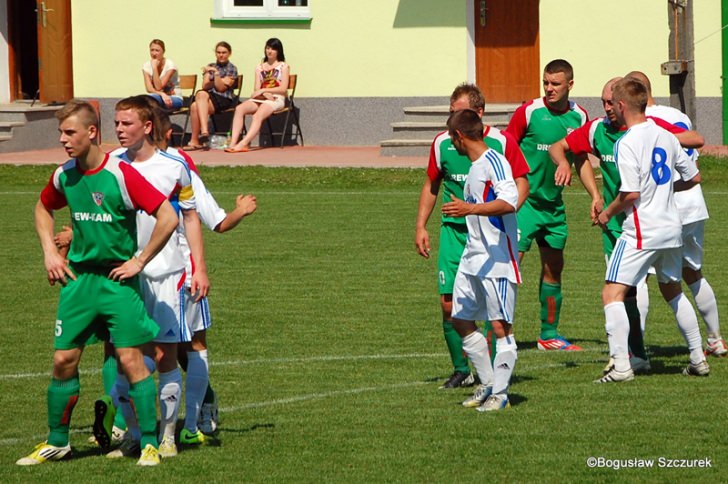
(487, 277)
(693, 213)
(200, 414)
(647, 157)
(163, 280)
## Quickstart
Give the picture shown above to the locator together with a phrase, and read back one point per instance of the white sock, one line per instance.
(617, 327)
(707, 306)
(687, 321)
(476, 347)
(195, 387)
(643, 303)
(170, 393)
(120, 397)
(504, 363)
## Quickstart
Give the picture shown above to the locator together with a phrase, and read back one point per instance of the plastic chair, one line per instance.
(289, 110)
(236, 98)
(187, 82)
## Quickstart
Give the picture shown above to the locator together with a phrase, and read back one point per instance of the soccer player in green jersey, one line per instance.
(535, 125)
(103, 194)
(449, 169)
(598, 137)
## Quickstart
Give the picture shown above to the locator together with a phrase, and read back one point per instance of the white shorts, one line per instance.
(692, 250)
(164, 300)
(475, 299)
(197, 314)
(629, 265)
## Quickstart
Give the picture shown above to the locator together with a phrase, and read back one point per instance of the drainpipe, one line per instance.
(724, 69)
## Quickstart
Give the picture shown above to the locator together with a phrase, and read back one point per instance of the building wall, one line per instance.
(360, 62)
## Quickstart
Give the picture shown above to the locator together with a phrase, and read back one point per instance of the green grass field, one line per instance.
(327, 351)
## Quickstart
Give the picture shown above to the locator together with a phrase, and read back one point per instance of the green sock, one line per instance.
(636, 341)
(455, 346)
(62, 397)
(550, 297)
(108, 373)
(209, 395)
(144, 398)
(491, 338)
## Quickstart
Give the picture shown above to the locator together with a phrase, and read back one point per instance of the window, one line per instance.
(262, 9)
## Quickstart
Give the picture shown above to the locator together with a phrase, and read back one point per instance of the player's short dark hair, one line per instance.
(631, 92)
(560, 65)
(476, 99)
(85, 111)
(467, 122)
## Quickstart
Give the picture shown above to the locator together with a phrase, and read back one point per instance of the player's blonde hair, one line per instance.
(632, 93)
(476, 100)
(85, 111)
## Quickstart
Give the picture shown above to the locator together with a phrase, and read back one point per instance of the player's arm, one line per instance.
(524, 189)
(193, 232)
(428, 200)
(687, 138)
(586, 175)
(460, 208)
(244, 206)
(55, 263)
(623, 201)
(557, 152)
(688, 170)
(165, 225)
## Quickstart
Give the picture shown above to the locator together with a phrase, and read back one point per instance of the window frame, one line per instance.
(225, 10)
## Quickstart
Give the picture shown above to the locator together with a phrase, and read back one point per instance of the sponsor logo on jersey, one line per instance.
(98, 198)
(543, 147)
(607, 158)
(459, 177)
(569, 130)
(92, 217)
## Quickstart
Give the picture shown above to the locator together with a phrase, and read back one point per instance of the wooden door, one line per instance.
(55, 59)
(507, 50)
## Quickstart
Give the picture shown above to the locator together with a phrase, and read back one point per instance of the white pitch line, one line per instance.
(312, 396)
(267, 361)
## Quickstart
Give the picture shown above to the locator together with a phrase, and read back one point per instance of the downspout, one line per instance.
(724, 68)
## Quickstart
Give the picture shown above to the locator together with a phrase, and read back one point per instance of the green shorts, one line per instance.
(610, 236)
(452, 244)
(543, 223)
(93, 307)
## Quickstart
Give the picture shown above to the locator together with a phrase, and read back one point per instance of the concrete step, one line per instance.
(24, 127)
(405, 147)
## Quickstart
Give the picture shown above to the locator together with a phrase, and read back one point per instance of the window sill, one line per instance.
(261, 20)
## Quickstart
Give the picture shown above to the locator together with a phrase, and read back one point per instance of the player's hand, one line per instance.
(596, 208)
(246, 204)
(127, 270)
(200, 285)
(602, 220)
(456, 208)
(57, 269)
(562, 177)
(422, 242)
(63, 238)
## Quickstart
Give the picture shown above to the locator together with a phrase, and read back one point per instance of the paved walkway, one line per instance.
(325, 156)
